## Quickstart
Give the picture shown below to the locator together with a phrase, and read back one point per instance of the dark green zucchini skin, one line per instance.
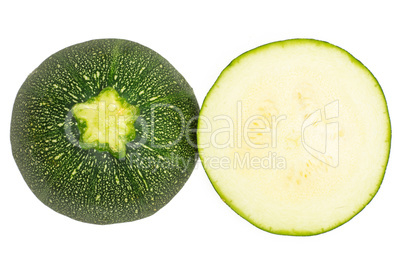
(90, 185)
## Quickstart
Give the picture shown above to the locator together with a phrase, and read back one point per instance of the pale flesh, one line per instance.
(295, 136)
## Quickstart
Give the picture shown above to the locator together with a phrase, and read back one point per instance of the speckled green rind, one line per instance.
(283, 43)
(93, 186)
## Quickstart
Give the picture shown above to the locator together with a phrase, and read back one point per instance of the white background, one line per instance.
(196, 229)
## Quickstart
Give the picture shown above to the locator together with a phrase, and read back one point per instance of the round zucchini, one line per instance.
(295, 136)
(104, 131)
